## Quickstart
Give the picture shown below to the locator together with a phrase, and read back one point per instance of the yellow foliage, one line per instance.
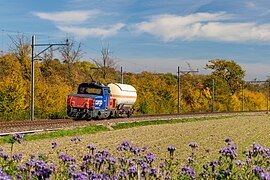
(13, 88)
(254, 100)
(51, 97)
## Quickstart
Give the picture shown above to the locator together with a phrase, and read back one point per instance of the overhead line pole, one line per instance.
(178, 80)
(33, 57)
(213, 95)
(32, 80)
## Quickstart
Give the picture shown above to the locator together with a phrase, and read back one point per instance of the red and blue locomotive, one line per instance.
(95, 100)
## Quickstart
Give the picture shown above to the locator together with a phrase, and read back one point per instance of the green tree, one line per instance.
(228, 71)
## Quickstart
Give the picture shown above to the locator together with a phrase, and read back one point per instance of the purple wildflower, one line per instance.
(193, 145)
(22, 168)
(162, 165)
(205, 166)
(203, 175)
(3, 175)
(215, 174)
(54, 144)
(79, 175)
(125, 145)
(41, 170)
(76, 138)
(135, 150)
(188, 171)
(153, 171)
(4, 156)
(111, 160)
(150, 157)
(119, 148)
(226, 172)
(17, 157)
(66, 158)
(171, 149)
(239, 163)
(228, 140)
(191, 159)
(144, 148)
(18, 137)
(213, 164)
(104, 152)
(91, 148)
(248, 160)
(132, 171)
(19, 176)
(122, 173)
(33, 156)
(145, 170)
(121, 158)
(229, 152)
(264, 175)
(257, 170)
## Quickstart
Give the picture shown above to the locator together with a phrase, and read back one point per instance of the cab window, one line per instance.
(93, 91)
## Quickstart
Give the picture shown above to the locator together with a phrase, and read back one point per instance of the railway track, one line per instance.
(38, 126)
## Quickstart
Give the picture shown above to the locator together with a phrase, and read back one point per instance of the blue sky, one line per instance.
(150, 35)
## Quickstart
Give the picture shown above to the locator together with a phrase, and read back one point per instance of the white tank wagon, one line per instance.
(125, 96)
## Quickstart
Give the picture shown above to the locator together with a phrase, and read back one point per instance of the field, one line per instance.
(208, 134)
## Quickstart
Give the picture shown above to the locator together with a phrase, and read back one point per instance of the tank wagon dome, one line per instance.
(124, 93)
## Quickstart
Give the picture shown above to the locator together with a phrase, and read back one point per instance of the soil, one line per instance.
(210, 134)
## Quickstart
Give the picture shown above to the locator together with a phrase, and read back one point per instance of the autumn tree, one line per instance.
(228, 71)
(195, 96)
(13, 89)
(106, 65)
(228, 76)
(21, 49)
(71, 54)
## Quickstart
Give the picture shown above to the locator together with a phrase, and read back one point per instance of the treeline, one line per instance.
(55, 78)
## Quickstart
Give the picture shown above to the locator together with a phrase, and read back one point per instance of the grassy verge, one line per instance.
(172, 121)
(61, 133)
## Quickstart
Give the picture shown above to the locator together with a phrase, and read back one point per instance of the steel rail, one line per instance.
(27, 127)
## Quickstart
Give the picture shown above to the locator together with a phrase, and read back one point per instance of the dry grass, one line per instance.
(207, 134)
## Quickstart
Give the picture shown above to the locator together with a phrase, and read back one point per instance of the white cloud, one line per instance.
(92, 32)
(67, 17)
(203, 26)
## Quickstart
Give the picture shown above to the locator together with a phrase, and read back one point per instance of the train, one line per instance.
(98, 101)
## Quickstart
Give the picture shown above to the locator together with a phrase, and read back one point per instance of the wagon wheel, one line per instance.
(129, 114)
(116, 114)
